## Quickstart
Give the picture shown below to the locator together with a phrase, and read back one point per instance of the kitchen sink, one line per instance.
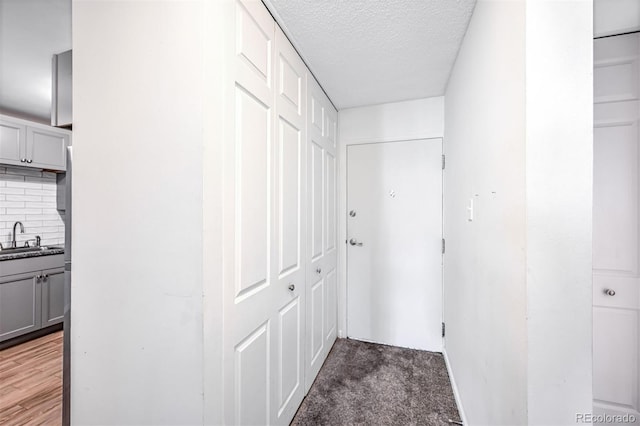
(21, 250)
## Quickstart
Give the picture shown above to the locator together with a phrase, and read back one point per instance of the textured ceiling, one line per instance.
(31, 31)
(363, 51)
(367, 52)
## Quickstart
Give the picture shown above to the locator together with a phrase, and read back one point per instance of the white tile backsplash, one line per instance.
(29, 196)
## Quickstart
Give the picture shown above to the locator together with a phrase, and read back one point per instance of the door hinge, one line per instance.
(443, 246)
(444, 161)
(443, 329)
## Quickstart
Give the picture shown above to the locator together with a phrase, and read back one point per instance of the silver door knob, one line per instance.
(292, 287)
(354, 242)
(609, 292)
(319, 270)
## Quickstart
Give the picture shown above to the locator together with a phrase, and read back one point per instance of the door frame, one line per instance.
(342, 216)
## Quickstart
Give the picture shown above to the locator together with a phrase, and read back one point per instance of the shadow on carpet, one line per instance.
(371, 384)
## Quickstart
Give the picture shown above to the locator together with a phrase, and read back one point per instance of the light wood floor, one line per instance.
(31, 382)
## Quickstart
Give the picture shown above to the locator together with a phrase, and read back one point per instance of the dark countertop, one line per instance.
(48, 252)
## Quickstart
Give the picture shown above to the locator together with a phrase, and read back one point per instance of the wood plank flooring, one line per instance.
(31, 382)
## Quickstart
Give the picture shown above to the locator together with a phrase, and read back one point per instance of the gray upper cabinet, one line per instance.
(62, 99)
(20, 305)
(46, 149)
(23, 143)
(52, 296)
(12, 142)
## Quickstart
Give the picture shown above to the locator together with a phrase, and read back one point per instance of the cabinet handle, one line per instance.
(29, 161)
(38, 278)
(45, 277)
(319, 270)
(23, 160)
(292, 287)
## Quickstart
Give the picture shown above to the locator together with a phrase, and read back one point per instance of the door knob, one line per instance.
(609, 292)
(292, 287)
(354, 242)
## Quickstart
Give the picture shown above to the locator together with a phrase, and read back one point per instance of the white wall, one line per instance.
(407, 120)
(29, 196)
(416, 119)
(484, 266)
(137, 290)
(217, 73)
(518, 277)
(559, 204)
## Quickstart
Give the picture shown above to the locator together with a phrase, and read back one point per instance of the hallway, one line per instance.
(366, 383)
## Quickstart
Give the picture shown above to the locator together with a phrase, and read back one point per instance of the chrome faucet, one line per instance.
(13, 240)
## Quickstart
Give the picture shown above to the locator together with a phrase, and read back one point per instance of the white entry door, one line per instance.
(394, 254)
(615, 226)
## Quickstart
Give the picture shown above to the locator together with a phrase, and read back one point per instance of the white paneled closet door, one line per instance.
(616, 225)
(321, 309)
(264, 224)
(290, 229)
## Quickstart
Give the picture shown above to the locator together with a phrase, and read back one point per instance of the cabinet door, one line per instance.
(46, 149)
(20, 305)
(52, 296)
(12, 143)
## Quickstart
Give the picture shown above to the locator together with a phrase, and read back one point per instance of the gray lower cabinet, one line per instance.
(30, 301)
(52, 296)
(20, 305)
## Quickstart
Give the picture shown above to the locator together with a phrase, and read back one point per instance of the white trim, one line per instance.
(454, 387)
(363, 141)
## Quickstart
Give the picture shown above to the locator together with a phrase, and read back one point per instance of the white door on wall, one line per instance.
(264, 224)
(615, 226)
(322, 236)
(394, 251)
(289, 219)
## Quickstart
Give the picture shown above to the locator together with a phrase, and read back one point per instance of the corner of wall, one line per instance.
(559, 159)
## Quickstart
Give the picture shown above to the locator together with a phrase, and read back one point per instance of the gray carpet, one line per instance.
(369, 384)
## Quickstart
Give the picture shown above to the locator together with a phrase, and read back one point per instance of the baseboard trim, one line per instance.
(30, 336)
(454, 386)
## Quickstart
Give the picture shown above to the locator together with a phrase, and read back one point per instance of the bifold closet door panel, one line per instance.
(288, 261)
(322, 233)
(265, 224)
(248, 219)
